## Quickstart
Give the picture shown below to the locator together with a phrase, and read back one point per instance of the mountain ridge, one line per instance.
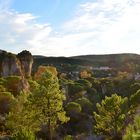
(104, 59)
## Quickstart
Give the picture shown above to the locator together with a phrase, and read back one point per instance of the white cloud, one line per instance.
(23, 18)
(20, 31)
(104, 26)
(114, 22)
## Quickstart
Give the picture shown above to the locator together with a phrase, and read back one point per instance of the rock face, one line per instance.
(23, 85)
(11, 64)
(26, 60)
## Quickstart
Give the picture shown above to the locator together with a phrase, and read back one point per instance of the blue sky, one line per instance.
(53, 11)
(70, 27)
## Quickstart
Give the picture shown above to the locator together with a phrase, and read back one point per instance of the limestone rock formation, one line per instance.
(17, 65)
(23, 85)
(26, 61)
(11, 64)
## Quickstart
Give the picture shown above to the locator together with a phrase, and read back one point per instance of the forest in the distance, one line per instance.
(76, 98)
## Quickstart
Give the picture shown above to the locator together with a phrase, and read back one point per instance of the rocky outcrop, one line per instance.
(26, 61)
(11, 64)
(23, 85)
(17, 65)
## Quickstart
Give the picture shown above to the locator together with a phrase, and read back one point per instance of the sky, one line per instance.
(70, 27)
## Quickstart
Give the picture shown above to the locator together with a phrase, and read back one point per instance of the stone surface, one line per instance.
(17, 65)
(26, 61)
(11, 64)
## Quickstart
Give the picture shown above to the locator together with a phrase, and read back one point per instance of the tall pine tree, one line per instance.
(44, 107)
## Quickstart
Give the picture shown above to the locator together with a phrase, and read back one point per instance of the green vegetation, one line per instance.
(72, 101)
(24, 135)
(110, 119)
(87, 106)
(73, 108)
(135, 98)
(6, 99)
(133, 130)
(43, 107)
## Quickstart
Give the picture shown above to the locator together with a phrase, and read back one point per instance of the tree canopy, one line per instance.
(43, 107)
(110, 118)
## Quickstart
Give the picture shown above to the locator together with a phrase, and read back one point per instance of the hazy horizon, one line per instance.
(70, 28)
(74, 55)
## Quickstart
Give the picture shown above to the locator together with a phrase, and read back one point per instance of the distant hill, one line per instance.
(60, 60)
(111, 60)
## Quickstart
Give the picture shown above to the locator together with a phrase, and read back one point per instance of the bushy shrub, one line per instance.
(135, 99)
(33, 85)
(87, 106)
(12, 83)
(94, 97)
(134, 87)
(68, 137)
(84, 83)
(73, 89)
(24, 135)
(2, 88)
(73, 108)
(133, 130)
(6, 99)
(2, 81)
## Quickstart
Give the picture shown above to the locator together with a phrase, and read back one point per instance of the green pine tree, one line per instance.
(43, 107)
(133, 130)
(111, 117)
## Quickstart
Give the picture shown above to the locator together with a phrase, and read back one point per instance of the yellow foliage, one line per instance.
(85, 74)
(42, 69)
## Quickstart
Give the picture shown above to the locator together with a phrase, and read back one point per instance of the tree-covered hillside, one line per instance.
(125, 62)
